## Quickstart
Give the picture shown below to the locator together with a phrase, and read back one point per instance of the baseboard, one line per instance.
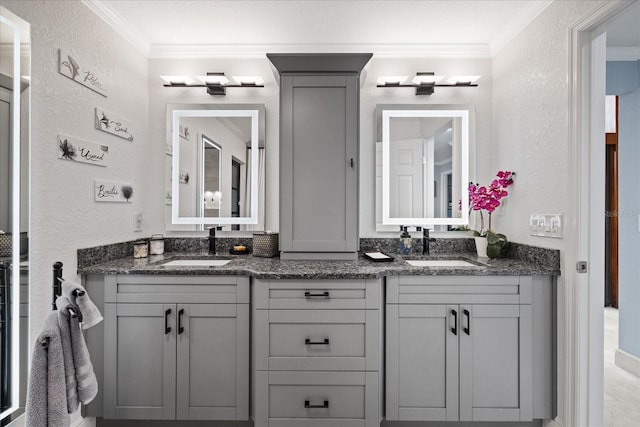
(628, 362)
(552, 423)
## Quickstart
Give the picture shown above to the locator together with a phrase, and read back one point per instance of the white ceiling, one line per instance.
(387, 28)
(453, 28)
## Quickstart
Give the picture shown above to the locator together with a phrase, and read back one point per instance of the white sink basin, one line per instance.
(440, 263)
(197, 263)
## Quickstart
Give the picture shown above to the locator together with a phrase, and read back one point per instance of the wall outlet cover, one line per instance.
(138, 220)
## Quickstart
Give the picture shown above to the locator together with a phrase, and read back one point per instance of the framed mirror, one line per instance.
(422, 166)
(15, 69)
(216, 174)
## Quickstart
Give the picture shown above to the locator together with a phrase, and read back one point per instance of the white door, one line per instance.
(410, 195)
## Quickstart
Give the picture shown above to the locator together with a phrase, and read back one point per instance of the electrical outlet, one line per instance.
(138, 220)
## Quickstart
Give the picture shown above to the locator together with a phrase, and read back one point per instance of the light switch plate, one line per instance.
(546, 225)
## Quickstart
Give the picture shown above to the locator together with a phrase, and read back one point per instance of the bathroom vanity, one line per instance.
(331, 343)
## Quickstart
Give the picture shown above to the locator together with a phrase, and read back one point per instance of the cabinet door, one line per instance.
(213, 362)
(422, 362)
(140, 355)
(495, 363)
(319, 153)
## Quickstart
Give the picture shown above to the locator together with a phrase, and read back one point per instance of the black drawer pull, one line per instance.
(167, 328)
(467, 330)
(308, 341)
(455, 322)
(324, 294)
(325, 405)
(180, 328)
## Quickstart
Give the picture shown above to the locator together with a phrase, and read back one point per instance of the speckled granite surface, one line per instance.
(436, 246)
(274, 268)
(518, 260)
(101, 254)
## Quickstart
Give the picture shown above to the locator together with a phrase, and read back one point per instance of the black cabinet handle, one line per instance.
(324, 294)
(324, 405)
(180, 328)
(308, 341)
(455, 322)
(167, 328)
(351, 162)
(467, 330)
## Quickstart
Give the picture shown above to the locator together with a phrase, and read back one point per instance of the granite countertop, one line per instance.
(275, 268)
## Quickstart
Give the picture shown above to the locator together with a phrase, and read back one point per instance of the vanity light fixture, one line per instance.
(216, 83)
(425, 82)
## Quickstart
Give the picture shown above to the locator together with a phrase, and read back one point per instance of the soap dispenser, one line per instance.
(404, 244)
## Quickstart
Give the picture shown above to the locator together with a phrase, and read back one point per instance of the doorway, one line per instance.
(586, 334)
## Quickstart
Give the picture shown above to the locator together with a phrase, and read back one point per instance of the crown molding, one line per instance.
(619, 53)
(125, 29)
(517, 24)
(226, 50)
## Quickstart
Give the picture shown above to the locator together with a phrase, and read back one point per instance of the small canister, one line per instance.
(140, 248)
(156, 244)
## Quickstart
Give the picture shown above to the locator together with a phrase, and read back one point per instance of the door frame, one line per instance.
(582, 343)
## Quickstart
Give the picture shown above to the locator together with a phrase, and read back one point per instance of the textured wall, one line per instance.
(531, 120)
(623, 79)
(64, 216)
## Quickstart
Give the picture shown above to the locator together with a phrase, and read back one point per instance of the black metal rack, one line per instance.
(57, 289)
(57, 282)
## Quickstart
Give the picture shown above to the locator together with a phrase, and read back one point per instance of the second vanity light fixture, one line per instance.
(216, 83)
(425, 82)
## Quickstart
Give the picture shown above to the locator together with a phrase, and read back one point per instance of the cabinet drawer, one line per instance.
(459, 290)
(317, 294)
(316, 401)
(296, 398)
(334, 340)
(176, 289)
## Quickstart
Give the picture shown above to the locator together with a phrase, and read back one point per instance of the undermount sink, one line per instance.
(197, 263)
(441, 263)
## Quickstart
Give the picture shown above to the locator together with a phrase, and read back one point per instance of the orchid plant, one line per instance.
(488, 199)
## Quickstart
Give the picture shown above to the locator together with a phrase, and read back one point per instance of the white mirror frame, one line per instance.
(386, 116)
(175, 184)
(15, 214)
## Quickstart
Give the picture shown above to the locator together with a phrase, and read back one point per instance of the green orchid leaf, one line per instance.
(493, 251)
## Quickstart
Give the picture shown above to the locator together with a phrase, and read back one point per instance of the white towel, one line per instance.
(46, 391)
(64, 323)
(90, 314)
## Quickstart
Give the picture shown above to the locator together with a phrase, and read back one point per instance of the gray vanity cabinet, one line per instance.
(318, 163)
(317, 353)
(459, 348)
(319, 137)
(176, 347)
